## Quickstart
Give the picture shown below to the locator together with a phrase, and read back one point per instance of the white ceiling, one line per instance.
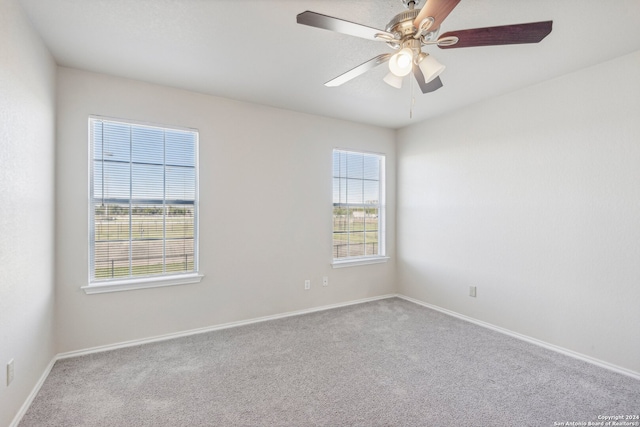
(254, 51)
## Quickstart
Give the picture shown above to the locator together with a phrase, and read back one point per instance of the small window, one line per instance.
(143, 202)
(358, 207)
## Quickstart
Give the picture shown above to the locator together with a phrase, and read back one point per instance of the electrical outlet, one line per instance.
(307, 285)
(325, 281)
(472, 291)
(10, 372)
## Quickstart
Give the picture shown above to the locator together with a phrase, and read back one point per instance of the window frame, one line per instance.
(139, 282)
(381, 256)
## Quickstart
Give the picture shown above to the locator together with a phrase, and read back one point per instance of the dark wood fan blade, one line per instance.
(360, 69)
(437, 9)
(532, 32)
(330, 23)
(432, 86)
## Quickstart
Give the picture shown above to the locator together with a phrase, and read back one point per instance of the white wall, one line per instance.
(27, 91)
(265, 213)
(533, 197)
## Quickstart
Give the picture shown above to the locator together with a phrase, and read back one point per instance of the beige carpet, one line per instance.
(383, 363)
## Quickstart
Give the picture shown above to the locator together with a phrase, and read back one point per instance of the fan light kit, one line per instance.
(410, 30)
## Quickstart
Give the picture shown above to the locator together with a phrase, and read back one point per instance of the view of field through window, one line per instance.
(143, 200)
(357, 180)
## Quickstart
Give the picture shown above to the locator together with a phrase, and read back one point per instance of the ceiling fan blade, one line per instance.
(432, 86)
(360, 69)
(532, 32)
(438, 10)
(319, 20)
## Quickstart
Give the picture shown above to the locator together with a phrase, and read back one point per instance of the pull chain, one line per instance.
(412, 97)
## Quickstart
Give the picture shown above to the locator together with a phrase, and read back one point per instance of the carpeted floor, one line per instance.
(383, 363)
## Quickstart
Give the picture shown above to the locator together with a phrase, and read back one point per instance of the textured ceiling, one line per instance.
(254, 50)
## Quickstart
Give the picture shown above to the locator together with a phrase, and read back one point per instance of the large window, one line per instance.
(358, 205)
(143, 201)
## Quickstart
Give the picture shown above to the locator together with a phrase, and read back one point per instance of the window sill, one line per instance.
(352, 262)
(147, 282)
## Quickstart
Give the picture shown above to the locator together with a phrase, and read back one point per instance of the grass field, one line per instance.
(148, 227)
(146, 237)
(142, 270)
(354, 235)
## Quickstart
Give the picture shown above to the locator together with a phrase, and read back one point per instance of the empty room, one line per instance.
(319, 213)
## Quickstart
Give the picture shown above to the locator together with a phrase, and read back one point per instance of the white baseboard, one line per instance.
(215, 328)
(33, 394)
(570, 353)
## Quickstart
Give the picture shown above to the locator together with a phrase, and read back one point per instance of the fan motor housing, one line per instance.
(402, 24)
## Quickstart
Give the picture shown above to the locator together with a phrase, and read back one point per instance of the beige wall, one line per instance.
(533, 197)
(265, 212)
(27, 90)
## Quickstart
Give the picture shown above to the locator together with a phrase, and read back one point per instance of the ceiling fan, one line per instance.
(410, 30)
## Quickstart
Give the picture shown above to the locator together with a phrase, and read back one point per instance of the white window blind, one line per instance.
(143, 202)
(358, 205)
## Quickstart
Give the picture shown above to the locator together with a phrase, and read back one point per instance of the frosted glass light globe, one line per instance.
(400, 64)
(393, 80)
(430, 68)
